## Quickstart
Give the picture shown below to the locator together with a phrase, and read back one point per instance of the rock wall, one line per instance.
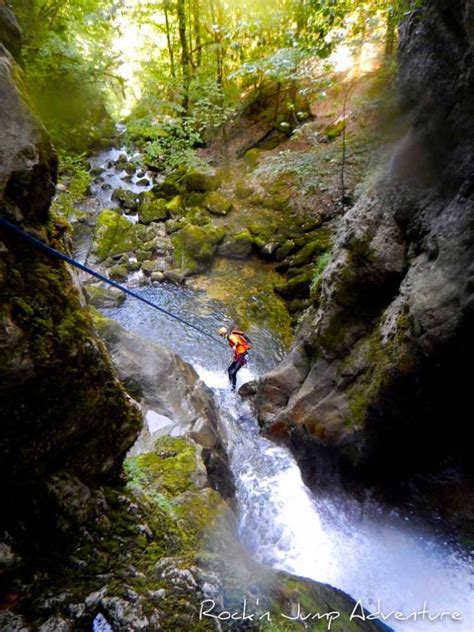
(63, 412)
(376, 385)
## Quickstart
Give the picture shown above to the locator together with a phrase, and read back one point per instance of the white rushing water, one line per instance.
(369, 552)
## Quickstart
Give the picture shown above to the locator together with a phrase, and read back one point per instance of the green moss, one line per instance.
(77, 181)
(169, 467)
(310, 251)
(279, 193)
(238, 245)
(251, 158)
(321, 263)
(243, 190)
(200, 181)
(118, 273)
(335, 129)
(217, 204)
(114, 235)
(285, 249)
(152, 209)
(175, 206)
(195, 245)
(383, 360)
(126, 198)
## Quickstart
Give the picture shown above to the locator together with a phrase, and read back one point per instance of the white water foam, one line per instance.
(369, 552)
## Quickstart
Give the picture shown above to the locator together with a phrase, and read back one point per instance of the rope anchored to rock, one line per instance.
(17, 230)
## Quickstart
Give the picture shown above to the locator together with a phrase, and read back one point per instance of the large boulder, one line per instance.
(391, 326)
(152, 209)
(115, 235)
(195, 246)
(201, 181)
(174, 400)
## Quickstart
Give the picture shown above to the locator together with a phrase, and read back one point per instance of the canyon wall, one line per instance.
(377, 385)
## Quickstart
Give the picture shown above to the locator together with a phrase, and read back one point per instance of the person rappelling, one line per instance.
(241, 345)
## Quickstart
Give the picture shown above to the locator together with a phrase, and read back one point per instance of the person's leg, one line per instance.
(232, 370)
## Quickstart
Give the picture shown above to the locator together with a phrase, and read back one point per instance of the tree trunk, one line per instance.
(181, 10)
(197, 32)
(218, 20)
(168, 40)
(390, 35)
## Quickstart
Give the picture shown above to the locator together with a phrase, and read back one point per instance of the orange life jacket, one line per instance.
(239, 342)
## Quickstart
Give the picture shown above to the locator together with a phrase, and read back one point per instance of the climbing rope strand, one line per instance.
(60, 255)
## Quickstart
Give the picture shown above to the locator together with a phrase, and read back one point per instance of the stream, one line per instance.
(372, 552)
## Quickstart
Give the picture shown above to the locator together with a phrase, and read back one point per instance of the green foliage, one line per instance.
(69, 66)
(168, 145)
(319, 267)
(74, 175)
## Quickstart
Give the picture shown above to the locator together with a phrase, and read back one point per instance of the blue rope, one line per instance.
(60, 255)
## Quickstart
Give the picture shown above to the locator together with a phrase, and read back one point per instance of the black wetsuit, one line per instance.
(235, 367)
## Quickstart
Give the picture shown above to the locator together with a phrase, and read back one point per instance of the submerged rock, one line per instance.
(104, 297)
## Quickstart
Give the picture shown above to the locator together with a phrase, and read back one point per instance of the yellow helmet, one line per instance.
(222, 331)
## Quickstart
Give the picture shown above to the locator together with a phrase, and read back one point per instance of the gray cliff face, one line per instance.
(378, 372)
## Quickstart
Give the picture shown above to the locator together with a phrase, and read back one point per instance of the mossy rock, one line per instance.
(243, 190)
(127, 199)
(310, 252)
(198, 216)
(200, 181)
(251, 158)
(152, 209)
(217, 204)
(278, 195)
(175, 206)
(297, 287)
(114, 235)
(133, 266)
(149, 267)
(168, 189)
(131, 168)
(285, 249)
(141, 255)
(118, 273)
(196, 245)
(169, 469)
(104, 297)
(238, 245)
(175, 224)
(264, 231)
(335, 129)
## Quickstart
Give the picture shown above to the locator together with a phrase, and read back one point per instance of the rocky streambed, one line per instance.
(144, 229)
